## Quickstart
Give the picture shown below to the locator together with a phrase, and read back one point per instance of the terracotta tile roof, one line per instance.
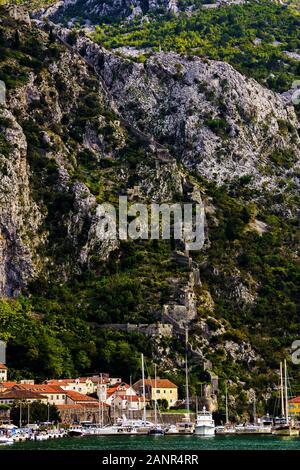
(160, 383)
(94, 379)
(7, 384)
(123, 386)
(295, 400)
(52, 389)
(117, 388)
(16, 393)
(130, 398)
(111, 391)
(76, 396)
(59, 381)
(2, 366)
(42, 388)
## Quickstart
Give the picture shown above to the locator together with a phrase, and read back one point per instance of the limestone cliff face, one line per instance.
(63, 152)
(19, 215)
(81, 126)
(213, 119)
(217, 121)
(106, 9)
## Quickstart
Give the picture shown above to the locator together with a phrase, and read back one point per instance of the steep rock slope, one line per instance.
(107, 10)
(62, 153)
(216, 121)
(73, 138)
(91, 11)
(19, 215)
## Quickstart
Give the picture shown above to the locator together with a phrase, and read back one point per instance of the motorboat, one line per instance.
(43, 436)
(287, 429)
(171, 430)
(185, 427)
(227, 429)
(156, 431)
(76, 431)
(205, 425)
(6, 440)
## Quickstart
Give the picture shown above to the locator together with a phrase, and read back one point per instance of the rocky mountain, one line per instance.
(217, 122)
(95, 9)
(82, 125)
(50, 118)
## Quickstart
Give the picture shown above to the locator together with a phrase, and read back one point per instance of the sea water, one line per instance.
(167, 443)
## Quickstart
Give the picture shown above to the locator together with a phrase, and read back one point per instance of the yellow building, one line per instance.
(294, 407)
(162, 389)
(3, 373)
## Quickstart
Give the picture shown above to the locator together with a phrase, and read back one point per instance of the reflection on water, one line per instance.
(164, 443)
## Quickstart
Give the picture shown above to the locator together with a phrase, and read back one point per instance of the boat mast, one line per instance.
(187, 398)
(101, 400)
(114, 411)
(144, 389)
(226, 403)
(281, 392)
(131, 412)
(286, 393)
(155, 400)
(99, 410)
(254, 408)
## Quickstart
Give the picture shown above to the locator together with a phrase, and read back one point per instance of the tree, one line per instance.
(51, 36)
(163, 404)
(17, 39)
(38, 413)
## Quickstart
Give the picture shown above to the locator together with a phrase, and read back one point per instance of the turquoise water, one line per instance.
(164, 443)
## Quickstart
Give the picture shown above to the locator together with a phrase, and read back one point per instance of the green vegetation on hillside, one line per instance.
(30, 4)
(54, 328)
(251, 37)
(52, 331)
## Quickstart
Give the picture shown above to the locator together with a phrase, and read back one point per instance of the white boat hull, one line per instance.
(204, 430)
(286, 431)
(6, 440)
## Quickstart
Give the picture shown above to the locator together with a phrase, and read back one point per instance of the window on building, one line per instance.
(157, 391)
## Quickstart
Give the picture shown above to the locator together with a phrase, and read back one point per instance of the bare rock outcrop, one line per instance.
(218, 122)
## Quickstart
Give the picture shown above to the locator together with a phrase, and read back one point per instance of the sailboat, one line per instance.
(139, 426)
(186, 426)
(121, 427)
(285, 427)
(227, 428)
(156, 430)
